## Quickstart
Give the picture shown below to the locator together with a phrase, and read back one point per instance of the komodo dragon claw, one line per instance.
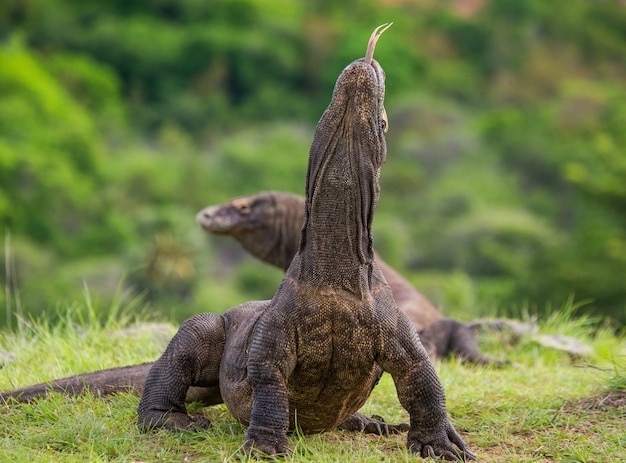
(439, 445)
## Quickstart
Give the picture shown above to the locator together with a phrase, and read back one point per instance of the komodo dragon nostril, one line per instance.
(205, 215)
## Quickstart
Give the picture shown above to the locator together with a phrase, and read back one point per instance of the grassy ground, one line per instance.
(546, 406)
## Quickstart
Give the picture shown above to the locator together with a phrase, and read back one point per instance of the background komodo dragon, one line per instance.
(268, 226)
(312, 354)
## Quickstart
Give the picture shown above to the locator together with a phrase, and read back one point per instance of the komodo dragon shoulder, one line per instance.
(314, 352)
(268, 226)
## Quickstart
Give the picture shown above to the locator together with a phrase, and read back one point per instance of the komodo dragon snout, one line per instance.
(241, 215)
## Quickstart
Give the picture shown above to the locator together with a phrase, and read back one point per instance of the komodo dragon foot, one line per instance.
(262, 441)
(438, 444)
(173, 421)
(374, 425)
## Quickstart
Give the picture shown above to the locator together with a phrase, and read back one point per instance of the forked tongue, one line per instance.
(371, 45)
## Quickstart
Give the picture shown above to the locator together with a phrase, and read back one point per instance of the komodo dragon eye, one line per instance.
(243, 207)
(384, 123)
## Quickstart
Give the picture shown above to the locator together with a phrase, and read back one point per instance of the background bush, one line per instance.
(504, 185)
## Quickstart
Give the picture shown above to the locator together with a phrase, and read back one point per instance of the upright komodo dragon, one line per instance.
(268, 226)
(313, 353)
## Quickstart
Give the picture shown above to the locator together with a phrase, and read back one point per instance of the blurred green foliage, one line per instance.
(504, 188)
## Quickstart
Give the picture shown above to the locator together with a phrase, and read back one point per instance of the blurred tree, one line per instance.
(52, 159)
(506, 165)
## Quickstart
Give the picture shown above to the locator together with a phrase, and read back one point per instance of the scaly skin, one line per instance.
(314, 352)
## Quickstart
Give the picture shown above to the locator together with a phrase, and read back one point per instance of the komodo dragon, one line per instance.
(268, 226)
(312, 354)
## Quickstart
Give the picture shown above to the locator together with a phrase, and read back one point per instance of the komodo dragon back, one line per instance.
(314, 351)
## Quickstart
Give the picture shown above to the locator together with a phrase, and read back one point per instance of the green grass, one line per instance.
(546, 406)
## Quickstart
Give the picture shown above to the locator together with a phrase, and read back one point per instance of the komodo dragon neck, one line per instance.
(288, 223)
(342, 187)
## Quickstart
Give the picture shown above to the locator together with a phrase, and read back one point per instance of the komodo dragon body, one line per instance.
(268, 226)
(313, 353)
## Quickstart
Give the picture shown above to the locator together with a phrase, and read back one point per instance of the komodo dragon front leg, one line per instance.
(192, 358)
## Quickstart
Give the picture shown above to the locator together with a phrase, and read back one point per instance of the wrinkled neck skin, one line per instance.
(342, 186)
(277, 240)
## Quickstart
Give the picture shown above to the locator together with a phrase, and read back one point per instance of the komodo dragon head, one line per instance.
(266, 224)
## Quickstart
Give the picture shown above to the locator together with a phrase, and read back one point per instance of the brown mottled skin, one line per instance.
(268, 226)
(313, 353)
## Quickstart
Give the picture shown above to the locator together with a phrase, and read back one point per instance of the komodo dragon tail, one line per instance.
(105, 382)
(102, 382)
